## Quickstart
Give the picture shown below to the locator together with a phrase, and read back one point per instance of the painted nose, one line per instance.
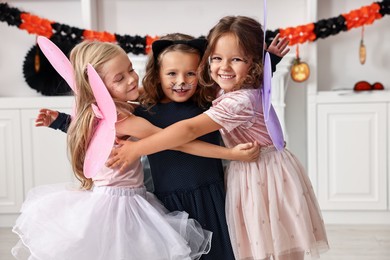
(181, 81)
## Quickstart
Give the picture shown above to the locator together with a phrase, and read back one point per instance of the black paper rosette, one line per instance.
(46, 80)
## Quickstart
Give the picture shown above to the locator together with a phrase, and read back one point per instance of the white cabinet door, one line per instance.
(352, 160)
(45, 157)
(11, 175)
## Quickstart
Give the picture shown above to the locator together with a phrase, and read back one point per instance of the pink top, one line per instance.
(133, 177)
(240, 113)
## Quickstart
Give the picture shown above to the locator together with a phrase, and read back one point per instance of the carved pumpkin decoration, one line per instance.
(300, 71)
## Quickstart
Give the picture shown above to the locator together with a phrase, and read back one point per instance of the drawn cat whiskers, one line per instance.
(181, 87)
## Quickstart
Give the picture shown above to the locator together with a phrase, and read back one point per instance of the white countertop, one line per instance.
(36, 102)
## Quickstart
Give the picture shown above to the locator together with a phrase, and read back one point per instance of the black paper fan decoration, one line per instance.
(46, 80)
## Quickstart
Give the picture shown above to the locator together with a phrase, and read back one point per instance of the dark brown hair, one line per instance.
(153, 92)
(250, 37)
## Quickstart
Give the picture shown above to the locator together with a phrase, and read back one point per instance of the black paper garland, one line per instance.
(48, 82)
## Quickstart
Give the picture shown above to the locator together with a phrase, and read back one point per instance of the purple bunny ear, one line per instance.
(58, 60)
(270, 117)
(104, 135)
(267, 84)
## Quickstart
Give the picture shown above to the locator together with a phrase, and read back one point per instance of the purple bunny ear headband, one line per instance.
(159, 46)
(270, 117)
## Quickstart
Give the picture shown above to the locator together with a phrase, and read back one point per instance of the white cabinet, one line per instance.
(29, 155)
(11, 175)
(348, 137)
(349, 155)
(352, 152)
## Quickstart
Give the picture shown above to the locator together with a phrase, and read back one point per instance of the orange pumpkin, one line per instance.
(300, 71)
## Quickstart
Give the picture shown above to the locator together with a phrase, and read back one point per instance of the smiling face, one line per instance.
(178, 75)
(120, 78)
(229, 66)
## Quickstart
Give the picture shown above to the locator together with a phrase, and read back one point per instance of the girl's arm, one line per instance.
(141, 128)
(247, 152)
(135, 126)
(53, 119)
(175, 135)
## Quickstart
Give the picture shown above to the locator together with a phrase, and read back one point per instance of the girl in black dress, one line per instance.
(183, 181)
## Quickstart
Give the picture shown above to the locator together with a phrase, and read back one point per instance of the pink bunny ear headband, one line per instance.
(270, 117)
(104, 136)
(59, 61)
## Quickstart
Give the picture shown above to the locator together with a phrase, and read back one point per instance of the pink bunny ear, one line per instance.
(60, 63)
(104, 136)
(58, 60)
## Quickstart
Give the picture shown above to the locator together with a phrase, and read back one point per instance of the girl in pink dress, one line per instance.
(271, 209)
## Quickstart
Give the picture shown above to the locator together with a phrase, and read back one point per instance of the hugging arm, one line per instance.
(141, 128)
(173, 136)
(243, 152)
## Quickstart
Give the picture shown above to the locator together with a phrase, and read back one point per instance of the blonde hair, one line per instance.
(83, 124)
(153, 92)
(250, 37)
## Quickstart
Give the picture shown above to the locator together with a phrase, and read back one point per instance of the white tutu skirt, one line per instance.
(59, 222)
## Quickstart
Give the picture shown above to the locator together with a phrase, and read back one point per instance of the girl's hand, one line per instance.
(122, 155)
(247, 152)
(279, 47)
(46, 117)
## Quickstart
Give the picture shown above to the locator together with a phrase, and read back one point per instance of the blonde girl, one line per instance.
(111, 216)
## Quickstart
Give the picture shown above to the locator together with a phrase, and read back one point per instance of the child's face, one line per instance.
(228, 64)
(120, 78)
(178, 75)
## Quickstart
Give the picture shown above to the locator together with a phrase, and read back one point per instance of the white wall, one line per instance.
(196, 17)
(129, 17)
(338, 59)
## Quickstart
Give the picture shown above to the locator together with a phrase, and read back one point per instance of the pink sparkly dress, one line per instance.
(271, 208)
(118, 219)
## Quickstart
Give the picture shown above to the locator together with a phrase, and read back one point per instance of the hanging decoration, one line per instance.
(67, 36)
(365, 15)
(300, 71)
(362, 49)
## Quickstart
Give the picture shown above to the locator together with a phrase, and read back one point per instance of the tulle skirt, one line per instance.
(271, 208)
(60, 222)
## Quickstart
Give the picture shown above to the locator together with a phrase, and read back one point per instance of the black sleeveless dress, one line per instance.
(190, 183)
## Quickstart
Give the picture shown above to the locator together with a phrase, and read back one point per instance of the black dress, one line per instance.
(190, 183)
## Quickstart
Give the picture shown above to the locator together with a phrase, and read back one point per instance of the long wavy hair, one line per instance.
(250, 37)
(153, 92)
(83, 124)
